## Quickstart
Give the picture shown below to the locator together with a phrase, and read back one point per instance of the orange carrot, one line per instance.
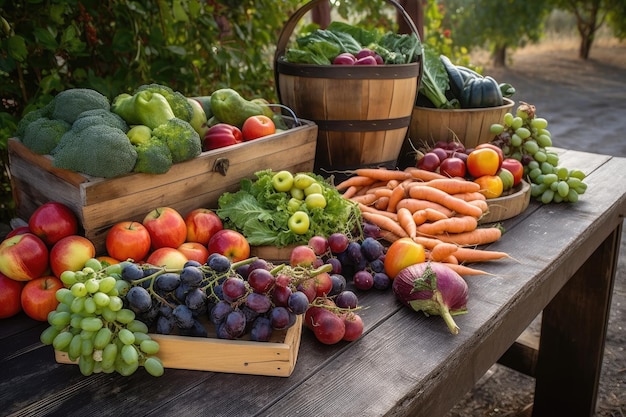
(446, 200)
(455, 224)
(466, 270)
(370, 209)
(442, 251)
(427, 242)
(381, 203)
(470, 196)
(388, 236)
(356, 180)
(384, 222)
(391, 184)
(423, 175)
(479, 236)
(366, 199)
(469, 255)
(405, 219)
(414, 204)
(382, 174)
(350, 191)
(481, 204)
(451, 185)
(382, 192)
(428, 214)
(397, 194)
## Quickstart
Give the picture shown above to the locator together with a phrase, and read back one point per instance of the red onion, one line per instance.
(434, 289)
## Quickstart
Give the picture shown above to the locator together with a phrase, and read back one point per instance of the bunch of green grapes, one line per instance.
(93, 327)
(525, 137)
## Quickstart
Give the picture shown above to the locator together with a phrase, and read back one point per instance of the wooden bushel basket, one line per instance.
(362, 112)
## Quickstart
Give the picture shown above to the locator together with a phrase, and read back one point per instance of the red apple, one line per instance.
(257, 126)
(516, 168)
(231, 244)
(323, 284)
(39, 297)
(23, 257)
(302, 255)
(170, 258)
(18, 231)
(70, 254)
(53, 221)
(128, 240)
(10, 291)
(202, 223)
(166, 226)
(194, 251)
(319, 244)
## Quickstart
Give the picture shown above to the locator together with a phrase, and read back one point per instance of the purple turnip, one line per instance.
(434, 289)
(345, 58)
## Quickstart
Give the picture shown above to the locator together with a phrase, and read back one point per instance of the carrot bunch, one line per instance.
(439, 212)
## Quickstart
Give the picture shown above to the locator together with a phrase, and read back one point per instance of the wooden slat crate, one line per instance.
(276, 357)
(99, 202)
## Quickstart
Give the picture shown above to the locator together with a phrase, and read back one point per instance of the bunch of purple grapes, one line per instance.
(359, 262)
(240, 298)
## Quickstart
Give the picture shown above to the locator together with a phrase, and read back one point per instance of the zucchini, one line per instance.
(454, 76)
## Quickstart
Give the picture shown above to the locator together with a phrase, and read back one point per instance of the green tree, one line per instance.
(591, 15)
(497, 25)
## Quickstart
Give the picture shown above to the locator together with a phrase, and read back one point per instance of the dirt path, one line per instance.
(585, 105)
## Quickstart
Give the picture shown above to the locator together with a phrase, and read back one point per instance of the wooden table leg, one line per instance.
(573, 332)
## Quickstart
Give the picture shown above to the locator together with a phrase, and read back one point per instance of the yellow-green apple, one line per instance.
(38, 297)
(202, 223)
(195, 251)
(10, 291)
(128, 240)
(282, 181)
(516, 168)
(257, 126)
(302, 255)
(52, 221)
(23, 257)
(302, 180)
(198, 119)
(70, 254)
(167, 257)
(315, 200)
(314, 188)
(299, 222)
(231, 244)
(166, 226)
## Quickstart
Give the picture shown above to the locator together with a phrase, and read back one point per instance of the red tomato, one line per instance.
(453, 167)
(484, 161)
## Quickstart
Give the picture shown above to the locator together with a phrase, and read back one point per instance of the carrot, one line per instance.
(384, 222)
(370, 209)
(478, 236)
(455, 224)
(382, 192)
(427, 242)
(470, 196)
(423, 175)
(481, 204)
(466, 270)
(350, 191)
(391, 184)
(446, 200)
(382, 174)
(442, 251)
(356, 180)
(414, 204)
(451, 185)
(388, 236)
(469, 255)
(405, 219)
(381, 203)
(366, 199)
(397, 194)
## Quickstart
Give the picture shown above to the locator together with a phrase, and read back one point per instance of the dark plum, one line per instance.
(363, 280)
(298, 302)
(347, 299)
(168, 281)
(381, 281)
(234, 288)
(139, 299)
(259, 303)
(261, 330)
(192, 276)
(372, 249)
(235, 323)
(339, 284)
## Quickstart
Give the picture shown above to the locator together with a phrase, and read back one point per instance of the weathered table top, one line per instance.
(405, 363)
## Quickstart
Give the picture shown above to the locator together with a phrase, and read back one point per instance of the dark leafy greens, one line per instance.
(435, 82)
(260, 213)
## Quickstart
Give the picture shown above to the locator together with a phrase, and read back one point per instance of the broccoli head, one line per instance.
(42, 135)
(100, 116)
(98, 150)
(143, 108)
(45, 111)
(153, 157)
(178, 102)
(70, 103)
(181, 138)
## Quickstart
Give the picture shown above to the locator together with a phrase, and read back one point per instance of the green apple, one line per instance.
(299, 222)
(282, 181)
(315, 200)
(314, 188)
(302, 180)
(297, 193)
(294, 204)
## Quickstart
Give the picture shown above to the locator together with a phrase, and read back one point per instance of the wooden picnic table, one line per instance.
(405, 363)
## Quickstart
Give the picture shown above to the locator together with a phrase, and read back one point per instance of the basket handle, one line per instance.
(289, 27)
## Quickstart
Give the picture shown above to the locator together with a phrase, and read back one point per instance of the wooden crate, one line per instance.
(99, 203)
(276, 357)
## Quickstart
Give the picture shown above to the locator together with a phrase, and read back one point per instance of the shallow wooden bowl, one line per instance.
(508, 206)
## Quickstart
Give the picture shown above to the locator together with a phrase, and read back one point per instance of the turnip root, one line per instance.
(434, 289)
